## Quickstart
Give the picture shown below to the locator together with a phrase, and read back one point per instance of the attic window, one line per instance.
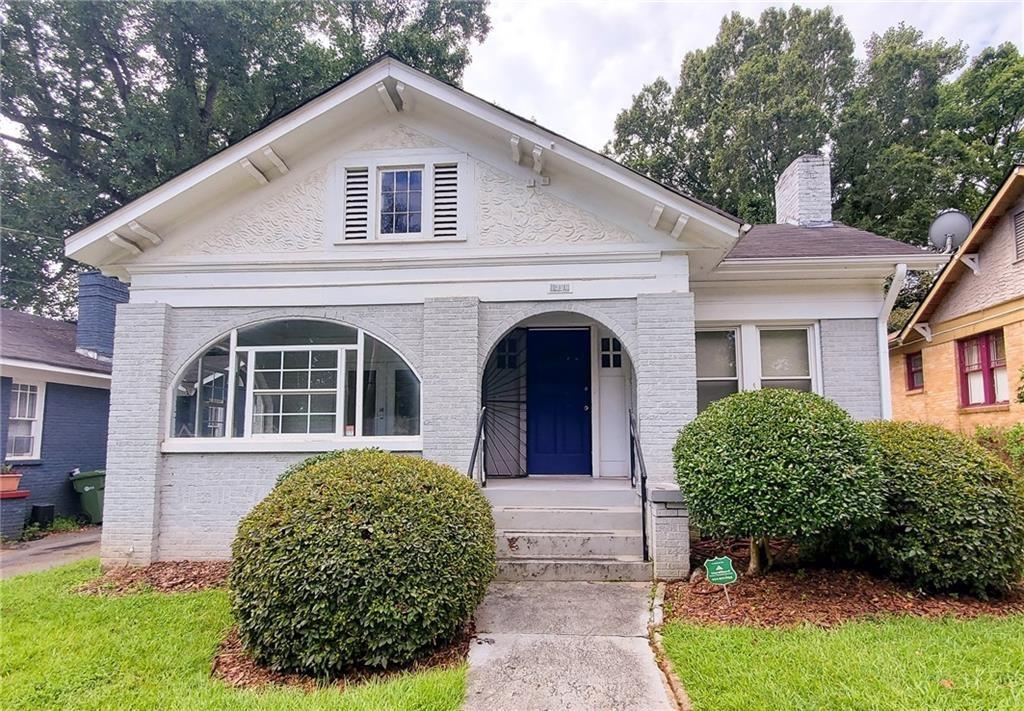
(388, 199)
(401, 201)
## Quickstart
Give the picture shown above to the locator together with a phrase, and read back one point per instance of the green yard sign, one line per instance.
(720, 571)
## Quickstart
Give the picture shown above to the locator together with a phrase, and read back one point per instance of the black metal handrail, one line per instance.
(476, 448)
(637, 466)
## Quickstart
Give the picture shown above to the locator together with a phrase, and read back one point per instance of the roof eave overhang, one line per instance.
(875, 265)
(726, 229)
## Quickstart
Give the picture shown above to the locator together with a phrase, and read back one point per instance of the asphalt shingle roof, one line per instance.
(43, 340)
(792, 241)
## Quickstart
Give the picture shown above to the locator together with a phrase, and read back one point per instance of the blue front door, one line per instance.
(558, 402)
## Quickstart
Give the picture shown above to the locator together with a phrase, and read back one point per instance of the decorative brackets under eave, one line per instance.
(404, 97)
(679, 226)
(656, 212)
(538, 160)
(972, 261)
(517, 151)
(275, 159)
(144, 233)
(125, 244)
(385, 98)
(925, 330)
(253, 171)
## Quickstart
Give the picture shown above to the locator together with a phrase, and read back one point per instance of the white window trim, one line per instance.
(375, 162)
(813, 354)
(748, 350)
(37, 423)
(738, 377)
(426, 202)
(270, 442)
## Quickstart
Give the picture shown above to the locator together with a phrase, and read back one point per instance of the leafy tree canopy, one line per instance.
(112, 98)
(908, 136)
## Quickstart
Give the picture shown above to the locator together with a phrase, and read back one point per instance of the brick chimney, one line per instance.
(98, 297)
(803, 193)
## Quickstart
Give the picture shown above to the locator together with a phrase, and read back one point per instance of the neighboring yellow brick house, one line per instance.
(958, 360)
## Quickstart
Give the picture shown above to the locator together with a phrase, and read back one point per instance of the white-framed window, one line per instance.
(25, 420)
(611, 352)
(718, 373)
(297, 378)
(414, 195)
(750, 356)
(400, 201)
(787, 357)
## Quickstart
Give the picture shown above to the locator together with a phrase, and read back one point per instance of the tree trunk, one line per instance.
(755, 557)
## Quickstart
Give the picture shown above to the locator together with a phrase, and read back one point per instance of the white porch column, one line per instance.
(451, 379)
(131, 509)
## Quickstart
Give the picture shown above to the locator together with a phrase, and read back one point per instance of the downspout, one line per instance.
(899, 277)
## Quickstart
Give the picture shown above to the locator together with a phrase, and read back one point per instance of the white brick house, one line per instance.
(395, 257)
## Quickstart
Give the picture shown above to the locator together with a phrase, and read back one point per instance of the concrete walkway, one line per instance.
(49, 552)
(564, 646)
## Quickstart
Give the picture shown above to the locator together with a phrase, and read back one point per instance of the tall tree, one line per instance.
(112, 98)
(762, 94)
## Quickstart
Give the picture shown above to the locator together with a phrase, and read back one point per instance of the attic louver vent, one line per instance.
(357, 196)
(446, 200)
(1018, 233)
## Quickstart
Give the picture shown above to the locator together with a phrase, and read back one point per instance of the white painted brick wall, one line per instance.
(803, 193)
(131, 510)
(451, 379)
(849, 361)
(666, 369)
(670, 540)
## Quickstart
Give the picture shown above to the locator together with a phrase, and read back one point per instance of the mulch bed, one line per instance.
(792, 596)
(166, 577)
(235, 667)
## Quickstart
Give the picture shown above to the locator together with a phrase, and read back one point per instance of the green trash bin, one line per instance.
(89, 486)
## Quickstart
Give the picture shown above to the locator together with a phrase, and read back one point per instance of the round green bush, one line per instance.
(360, 558)
(954, 516)
(777, 463)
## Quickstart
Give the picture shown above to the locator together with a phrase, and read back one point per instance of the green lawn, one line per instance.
(898, 663)
(62, 650)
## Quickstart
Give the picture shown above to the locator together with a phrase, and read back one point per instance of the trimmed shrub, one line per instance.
(1006, 443)
(777, 463)
(360, 558)
(954, 515)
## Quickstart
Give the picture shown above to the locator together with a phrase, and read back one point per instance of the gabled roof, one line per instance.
(1005, 198)
(786, 241)
(26, 337)
(131, 217)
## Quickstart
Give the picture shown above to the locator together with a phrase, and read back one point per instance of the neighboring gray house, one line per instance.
(395, 257)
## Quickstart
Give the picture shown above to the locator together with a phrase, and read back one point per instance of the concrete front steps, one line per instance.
(567, 528)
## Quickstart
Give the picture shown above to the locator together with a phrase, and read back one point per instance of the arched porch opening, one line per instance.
(557, 388)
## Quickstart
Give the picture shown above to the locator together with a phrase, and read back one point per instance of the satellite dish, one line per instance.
(949, 229)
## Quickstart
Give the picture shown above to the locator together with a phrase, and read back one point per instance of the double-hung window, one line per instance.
(786, 358)
(25, 421)
(983, 377)
(717, 374)
(915, 370)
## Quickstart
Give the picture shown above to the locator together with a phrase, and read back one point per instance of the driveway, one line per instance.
(49, 552)
(576, 646)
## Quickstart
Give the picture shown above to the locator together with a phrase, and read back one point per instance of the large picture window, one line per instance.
(983, 377)
(297, 378)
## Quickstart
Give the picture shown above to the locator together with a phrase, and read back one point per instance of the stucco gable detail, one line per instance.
(292, 220)
(510, 213)
(399, 136)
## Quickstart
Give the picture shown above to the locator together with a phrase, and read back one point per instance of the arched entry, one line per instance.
(557, 388)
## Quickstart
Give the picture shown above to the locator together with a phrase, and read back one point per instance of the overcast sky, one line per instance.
(572, 65)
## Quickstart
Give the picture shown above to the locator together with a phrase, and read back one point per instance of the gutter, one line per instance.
(899, 278)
